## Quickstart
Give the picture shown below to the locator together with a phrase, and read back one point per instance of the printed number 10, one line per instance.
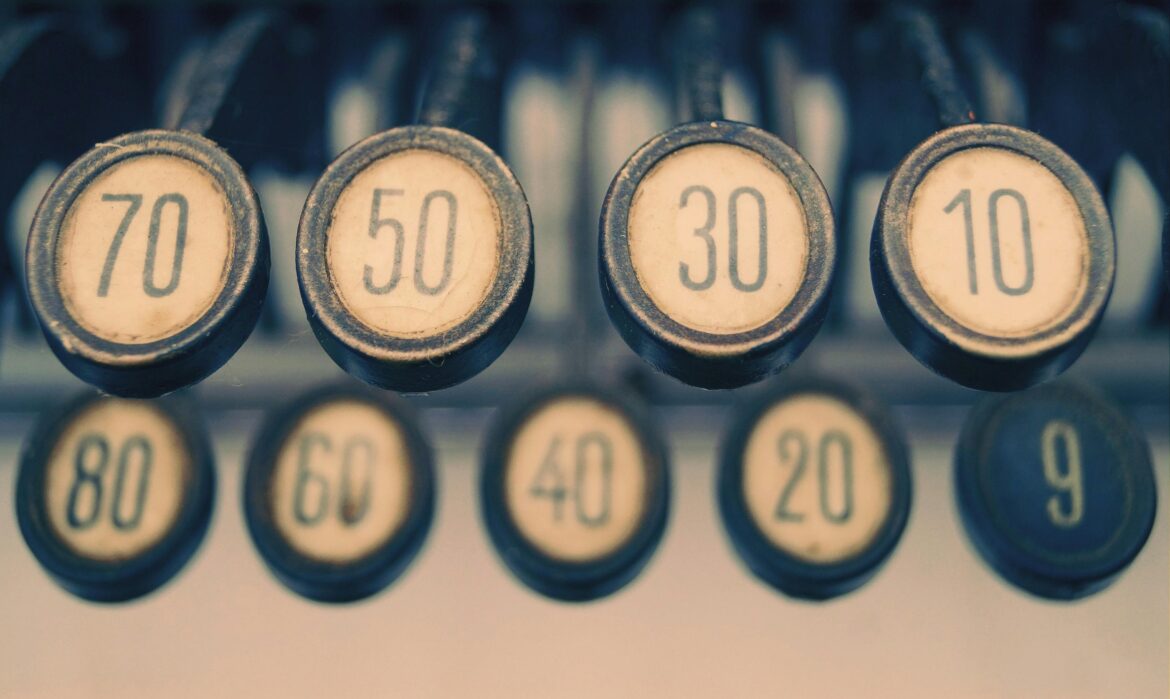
(964, 199)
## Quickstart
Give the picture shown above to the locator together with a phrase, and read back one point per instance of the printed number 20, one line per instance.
(793, 438)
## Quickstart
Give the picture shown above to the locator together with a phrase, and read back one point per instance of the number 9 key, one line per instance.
(1056, 489)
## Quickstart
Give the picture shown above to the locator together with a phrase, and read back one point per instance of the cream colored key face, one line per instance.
(414, 244)
(816, 479)
(116, 480)
(341, 485)
(144, 250)
(718, 238)
(998, 242)
(575, 480)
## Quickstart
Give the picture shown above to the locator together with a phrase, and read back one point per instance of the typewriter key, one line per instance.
(814, 488)
(339, 493)
(147, 262)
(574, 492)
(114, 495)
(1055, 488)
(992, 256)
(415, 258)
(717, 253)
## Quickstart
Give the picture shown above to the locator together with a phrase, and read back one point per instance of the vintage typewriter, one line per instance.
(585, 349)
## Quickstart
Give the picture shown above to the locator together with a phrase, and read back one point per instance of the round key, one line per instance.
(1056, 489)
(814, 487)
(717, 253)
(340, 492)
(992, 256)
(148, 262)
(114, 495)
(415, 258)
(575, 491)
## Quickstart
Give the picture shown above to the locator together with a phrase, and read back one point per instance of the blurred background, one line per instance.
(581, 86)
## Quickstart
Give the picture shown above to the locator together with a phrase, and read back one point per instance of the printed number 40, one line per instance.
(549, 483)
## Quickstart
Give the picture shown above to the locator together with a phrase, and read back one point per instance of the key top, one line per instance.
(113, 495)
(340, 492)
(992, 256)
(414, 253)
(1055, 488)
(148, 259)
(814, 487)
(148, 262)
(717, 242)
(574, 491)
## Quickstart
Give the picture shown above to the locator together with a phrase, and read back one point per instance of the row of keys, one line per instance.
(993, 255)
(1054, 485)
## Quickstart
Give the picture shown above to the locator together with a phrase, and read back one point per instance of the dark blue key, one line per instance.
(1056, 489)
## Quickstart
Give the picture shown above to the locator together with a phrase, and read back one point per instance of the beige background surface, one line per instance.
(935, 621)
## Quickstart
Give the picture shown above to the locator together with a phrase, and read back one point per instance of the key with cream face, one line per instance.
(414, 253)
(114, 495)
(574, 492)
(717, 241)
(147, 261)
(339, 493)
(992, 254)
(1056, 489)
(814, 487)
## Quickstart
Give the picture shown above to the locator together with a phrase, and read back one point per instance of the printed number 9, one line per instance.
(1069, 511)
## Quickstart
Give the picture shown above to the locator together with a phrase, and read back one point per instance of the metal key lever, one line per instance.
(989, 319)
(702, 308)
(47, 126)
(414, 253)
(128, 297)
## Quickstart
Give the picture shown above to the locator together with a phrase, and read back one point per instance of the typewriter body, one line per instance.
(442, 245)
